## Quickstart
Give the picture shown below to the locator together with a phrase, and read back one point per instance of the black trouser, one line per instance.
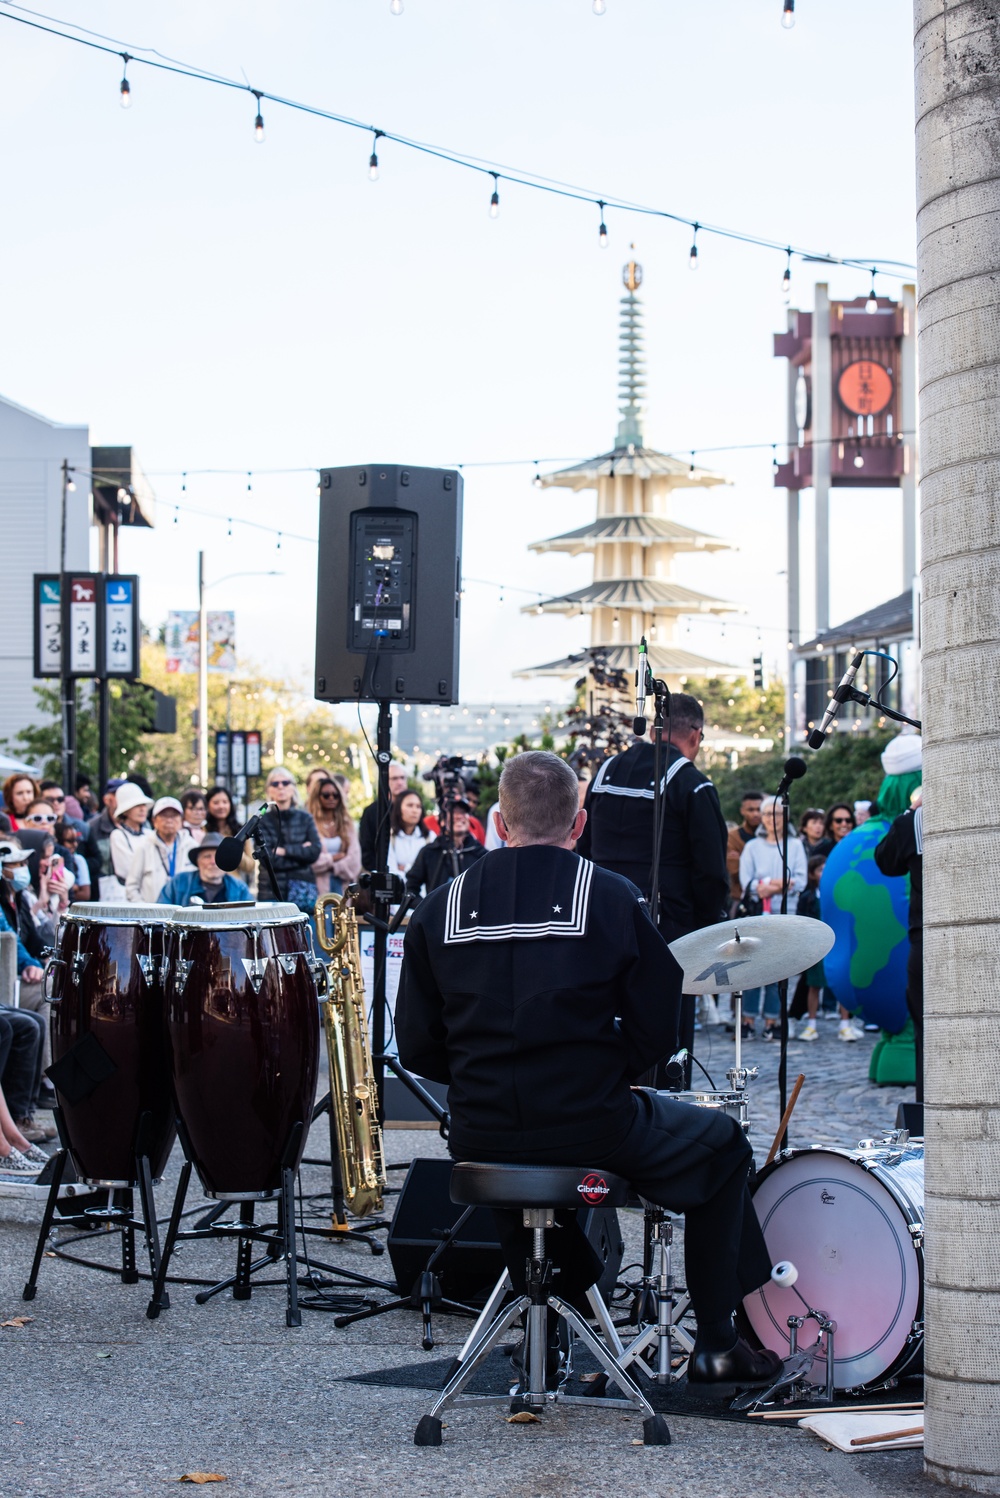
(22, 1035)
(687, 1159)
(915, 1003)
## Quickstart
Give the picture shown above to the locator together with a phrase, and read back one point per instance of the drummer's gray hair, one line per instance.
(286, 774)
(539, 797)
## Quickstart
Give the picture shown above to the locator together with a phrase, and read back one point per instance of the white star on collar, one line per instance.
(557, 910)
(473, 914)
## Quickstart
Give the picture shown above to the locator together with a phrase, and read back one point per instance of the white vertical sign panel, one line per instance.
(49, 624)
(119, 627)
(83, 626)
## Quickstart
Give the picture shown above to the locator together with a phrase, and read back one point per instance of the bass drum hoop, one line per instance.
(909, 1359)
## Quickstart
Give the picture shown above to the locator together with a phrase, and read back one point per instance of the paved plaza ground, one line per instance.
(99, 1400)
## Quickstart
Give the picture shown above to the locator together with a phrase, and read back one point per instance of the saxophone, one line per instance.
(352, 1089)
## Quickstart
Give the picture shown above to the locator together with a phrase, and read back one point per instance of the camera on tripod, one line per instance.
(453, 776)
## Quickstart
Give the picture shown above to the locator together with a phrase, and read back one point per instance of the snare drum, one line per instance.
(243, 1027)
(106, 985)
(733, 1103)
(851, 1221)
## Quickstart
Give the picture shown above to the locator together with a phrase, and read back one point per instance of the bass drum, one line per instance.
(109, 1064)
(851, 1221)
(243, 1027)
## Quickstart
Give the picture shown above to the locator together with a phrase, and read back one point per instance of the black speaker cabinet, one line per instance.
(471, 1265)
(389, 585)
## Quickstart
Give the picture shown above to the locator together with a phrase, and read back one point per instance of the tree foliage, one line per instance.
(739, 707)
(847, 768)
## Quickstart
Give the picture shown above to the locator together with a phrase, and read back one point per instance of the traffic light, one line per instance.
(758, 672)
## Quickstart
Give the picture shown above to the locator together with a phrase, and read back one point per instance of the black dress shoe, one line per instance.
(742, 1364)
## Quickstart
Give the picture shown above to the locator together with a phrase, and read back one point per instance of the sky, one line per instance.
(221, 304)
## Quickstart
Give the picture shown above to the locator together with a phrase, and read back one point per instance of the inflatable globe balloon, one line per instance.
(868, 912)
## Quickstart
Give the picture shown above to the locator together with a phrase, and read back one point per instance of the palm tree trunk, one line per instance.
(957, 64)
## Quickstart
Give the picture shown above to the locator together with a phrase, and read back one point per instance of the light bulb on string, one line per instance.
(872, 303)
(788, 14)
(693, 253)
(184, 482)
(774, 458)
(279, 540)
(615, 622)
(599, 7)
(258, 124)
(373, 158)
(495, 199)
(602, 232)
(786, 280)
(396, 7)
(124, 90)
(537, 480)
(691, 469)
(249, 483)
(859, 461)
(177, 514)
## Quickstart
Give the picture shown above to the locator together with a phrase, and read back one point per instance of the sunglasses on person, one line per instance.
(280, 782)
(848, 820)
(54, 800)
(37, 816)
(328, 795)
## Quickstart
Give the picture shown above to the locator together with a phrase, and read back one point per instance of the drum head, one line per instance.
(123, 914)
(849, 1238)
(245, 913)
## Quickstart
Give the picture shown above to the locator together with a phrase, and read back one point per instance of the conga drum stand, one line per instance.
(121, 1216)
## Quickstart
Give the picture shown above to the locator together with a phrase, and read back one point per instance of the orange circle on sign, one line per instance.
(865, 388)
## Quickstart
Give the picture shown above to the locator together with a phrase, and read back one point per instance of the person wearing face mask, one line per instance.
(158, 858)
(24, 1040)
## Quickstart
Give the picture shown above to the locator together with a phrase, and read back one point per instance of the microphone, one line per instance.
(642, 675)
(841, 695)
(795, 768)
(673, 1070)
(229, 853)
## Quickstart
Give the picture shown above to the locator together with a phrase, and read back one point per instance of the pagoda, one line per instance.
(633, 538)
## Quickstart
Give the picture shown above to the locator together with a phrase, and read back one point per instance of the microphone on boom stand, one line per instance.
(841, 695)
(643, 683)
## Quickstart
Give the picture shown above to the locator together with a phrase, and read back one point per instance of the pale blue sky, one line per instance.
(224, 304)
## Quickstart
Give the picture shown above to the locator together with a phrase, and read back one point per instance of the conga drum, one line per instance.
(109, 1057)
(243, 1029)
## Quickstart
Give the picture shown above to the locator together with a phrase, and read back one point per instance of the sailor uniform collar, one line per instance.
(513, 894)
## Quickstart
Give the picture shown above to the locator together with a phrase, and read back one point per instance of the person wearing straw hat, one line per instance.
(160, 855)
(130, 812)
(205, 884)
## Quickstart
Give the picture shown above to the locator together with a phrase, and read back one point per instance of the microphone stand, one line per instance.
(783, 982)
(262, 856)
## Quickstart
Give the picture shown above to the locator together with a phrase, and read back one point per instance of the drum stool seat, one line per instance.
(538, 1192)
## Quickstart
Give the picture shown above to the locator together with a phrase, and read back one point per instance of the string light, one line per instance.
(788, 14)
(279, 540)
(124, 90)
(396, 7)
(495, 199)
(774, 459)
(599, 7)
(693, 256)
(786, 280)
(455, 157)
(859, 461)
(537, 480)
(373, 158)
(602, 233)
(872, 303)
(691, 469)
(258, 124)
(177, 514)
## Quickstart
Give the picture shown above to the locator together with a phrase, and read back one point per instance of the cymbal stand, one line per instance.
(660, 1307)
(738, 1074)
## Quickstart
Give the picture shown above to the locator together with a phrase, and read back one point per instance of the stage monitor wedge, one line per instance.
(389, 584)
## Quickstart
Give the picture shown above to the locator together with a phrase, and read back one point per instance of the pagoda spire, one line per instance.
(632, 368)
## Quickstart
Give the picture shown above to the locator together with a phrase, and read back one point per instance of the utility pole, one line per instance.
(957, 68)
(202, 676)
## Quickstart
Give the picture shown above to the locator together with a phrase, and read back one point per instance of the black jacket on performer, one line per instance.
(433, 865)
(537, 1039)
(694, 881)
(901, 852)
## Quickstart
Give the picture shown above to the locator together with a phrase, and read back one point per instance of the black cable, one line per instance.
(702, 1068)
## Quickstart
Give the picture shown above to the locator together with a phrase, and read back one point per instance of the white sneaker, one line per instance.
(16, 1164)
(846, 1031)
(709, 1010)
(808, 1032)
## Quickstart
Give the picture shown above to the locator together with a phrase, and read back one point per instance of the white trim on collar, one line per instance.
(575, 923)
(598, 788)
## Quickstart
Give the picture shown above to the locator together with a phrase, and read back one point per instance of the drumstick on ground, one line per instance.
(888, 1435)
(785, 1117)
(835, 1409)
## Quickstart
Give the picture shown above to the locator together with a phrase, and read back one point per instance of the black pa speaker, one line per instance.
(390, 579)
(471, 1265)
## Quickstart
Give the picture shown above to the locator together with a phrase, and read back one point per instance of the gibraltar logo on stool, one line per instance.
(593, 1188)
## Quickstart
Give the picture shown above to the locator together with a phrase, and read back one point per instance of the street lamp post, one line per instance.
(203, 586)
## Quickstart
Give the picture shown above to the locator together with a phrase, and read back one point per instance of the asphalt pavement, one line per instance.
(99, 1400)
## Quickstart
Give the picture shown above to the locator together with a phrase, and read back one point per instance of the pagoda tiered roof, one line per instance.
(664, 660)
(644, 530)
(632, 459)
(645, 593)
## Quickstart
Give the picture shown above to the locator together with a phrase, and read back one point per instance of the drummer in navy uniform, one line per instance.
(537, 988)
(694, 879)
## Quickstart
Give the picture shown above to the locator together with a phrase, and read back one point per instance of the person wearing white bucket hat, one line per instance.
(161, 855)
(130, 812)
